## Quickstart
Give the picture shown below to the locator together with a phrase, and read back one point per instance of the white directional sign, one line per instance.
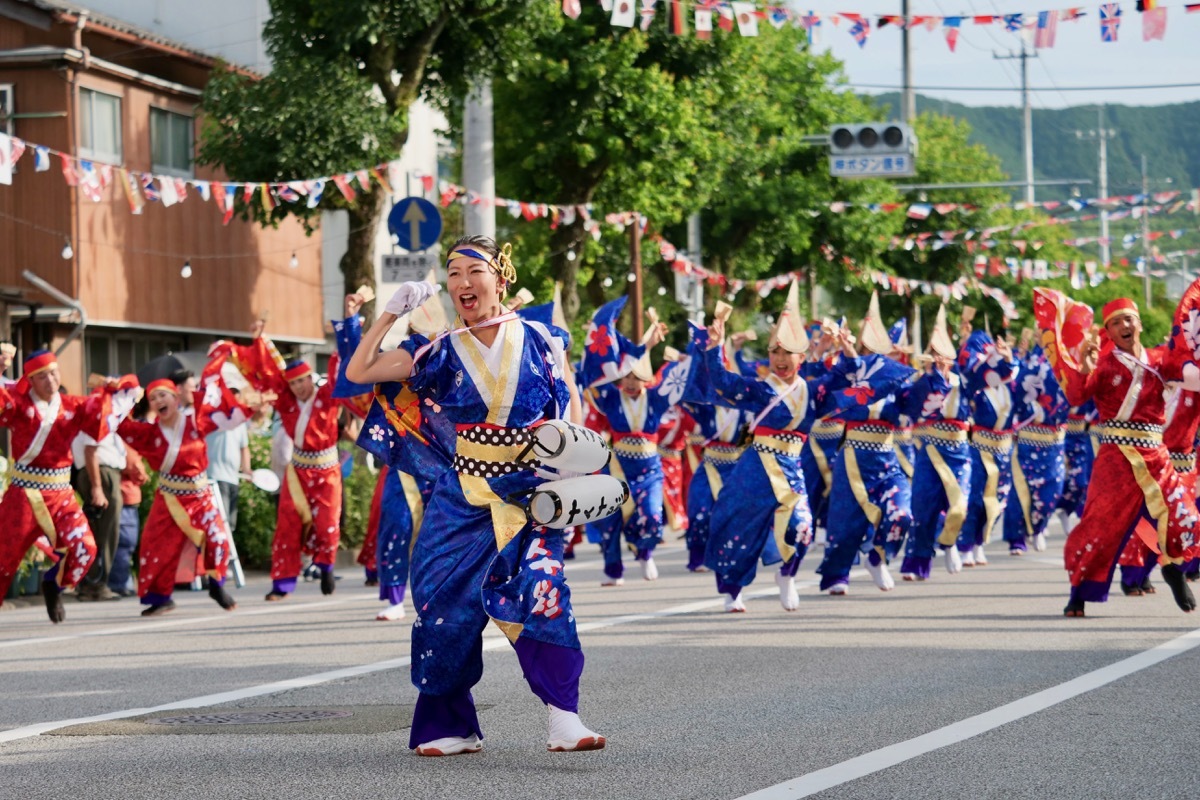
(898, 166)
(398, 268)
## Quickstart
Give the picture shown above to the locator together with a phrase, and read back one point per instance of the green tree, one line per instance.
(345, 74)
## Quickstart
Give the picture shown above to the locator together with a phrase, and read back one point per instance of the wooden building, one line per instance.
(102, 90)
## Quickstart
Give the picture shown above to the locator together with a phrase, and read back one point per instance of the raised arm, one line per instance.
(368, 364)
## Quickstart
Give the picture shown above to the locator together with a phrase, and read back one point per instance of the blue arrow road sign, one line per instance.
(416, 223)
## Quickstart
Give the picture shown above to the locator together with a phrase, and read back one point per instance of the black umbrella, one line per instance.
(168, 365)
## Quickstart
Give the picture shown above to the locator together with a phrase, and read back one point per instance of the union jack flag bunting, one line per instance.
(1110, 21)
(1013, 22)
(860, 31)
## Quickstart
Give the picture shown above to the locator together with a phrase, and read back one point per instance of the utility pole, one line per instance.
(908, 114)
(1102, 134)
(694, 244)
(635, 263)
(908, 100)
(1025, 56)
(479, 170)
(1145, 232)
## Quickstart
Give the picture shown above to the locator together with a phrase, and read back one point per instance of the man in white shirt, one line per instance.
(98, 481)
(228, 460)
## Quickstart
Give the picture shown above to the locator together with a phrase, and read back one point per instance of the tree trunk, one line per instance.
(358, 263)
(568, 238)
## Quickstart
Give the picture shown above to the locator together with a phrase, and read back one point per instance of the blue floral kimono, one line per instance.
(820, 451)
(634, 423)
(869, 506)
(723, 430)
(1038, 462)
(762, 512)
(1079, 451)
(477, 557)
(991, 382)
(403, 496)
(942, 475)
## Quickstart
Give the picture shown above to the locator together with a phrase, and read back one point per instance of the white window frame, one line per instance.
(8, 97)
(167, 169)
(89, 153)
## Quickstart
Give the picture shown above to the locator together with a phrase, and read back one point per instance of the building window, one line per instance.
(99, 126)
(171, 143)
(124, 353)
(6, 108)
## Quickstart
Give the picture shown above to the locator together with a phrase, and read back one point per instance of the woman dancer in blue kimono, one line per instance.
(1079, 451)
(762, 512)
(634, 414)
(941, 481)
(991, 374)
(477, 557)
(1040, 420)
(402, 496)
(869, 509)
(723, 431)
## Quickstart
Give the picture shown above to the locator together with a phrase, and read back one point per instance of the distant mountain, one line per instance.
(1168, 135)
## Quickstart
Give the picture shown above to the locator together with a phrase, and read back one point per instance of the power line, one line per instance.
(856, 85)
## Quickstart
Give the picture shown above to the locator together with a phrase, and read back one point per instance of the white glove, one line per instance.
(409, 296)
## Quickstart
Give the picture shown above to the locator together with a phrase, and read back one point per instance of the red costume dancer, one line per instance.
(183, 511)
(672, 439)
(40, 501)
(310, 505)
(1132, 468)
(1179, 436)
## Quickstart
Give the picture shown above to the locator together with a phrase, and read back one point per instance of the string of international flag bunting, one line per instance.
(97, 182)
(1039, 27)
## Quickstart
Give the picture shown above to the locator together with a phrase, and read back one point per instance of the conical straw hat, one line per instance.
(789, 332)
(939, 342)
(874, 335)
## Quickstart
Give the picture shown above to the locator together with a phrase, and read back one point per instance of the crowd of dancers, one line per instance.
(497, 468)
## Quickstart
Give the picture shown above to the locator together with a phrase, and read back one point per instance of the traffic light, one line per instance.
(872, 149)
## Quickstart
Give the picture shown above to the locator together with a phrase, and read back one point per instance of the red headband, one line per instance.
(166, 384)
(39, 363)
(298, 371)
(1118, 308)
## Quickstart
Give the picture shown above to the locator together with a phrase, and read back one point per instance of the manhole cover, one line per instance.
(253, 717)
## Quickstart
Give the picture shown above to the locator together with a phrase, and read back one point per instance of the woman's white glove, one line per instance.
(410, 295)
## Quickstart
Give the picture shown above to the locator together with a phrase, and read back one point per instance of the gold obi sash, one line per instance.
(635, 445)
(1184, 462)
(1042, 435)
(315, 459)
(876, 436)
(183, 484)
(989, 440)
(944, 431)
(1132, 434)
(41, 479)
(784, 443)
(722, 453)
(826, 429)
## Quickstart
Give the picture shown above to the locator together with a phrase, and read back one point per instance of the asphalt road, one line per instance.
(968, 685)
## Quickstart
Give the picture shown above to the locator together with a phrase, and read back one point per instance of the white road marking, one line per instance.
(180, 621)
(498, 642)
(881, 759)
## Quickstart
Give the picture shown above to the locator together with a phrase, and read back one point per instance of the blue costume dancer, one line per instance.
(990, 374)
(723, 430)
(402, 497)
(870, 508)
(1079, 451)
(634, 414)
(1040, 419)
(477, 556)
(942, 475)
(762, 512)
(906, 447)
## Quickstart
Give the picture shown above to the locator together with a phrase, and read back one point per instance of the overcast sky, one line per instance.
(1079, 57)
